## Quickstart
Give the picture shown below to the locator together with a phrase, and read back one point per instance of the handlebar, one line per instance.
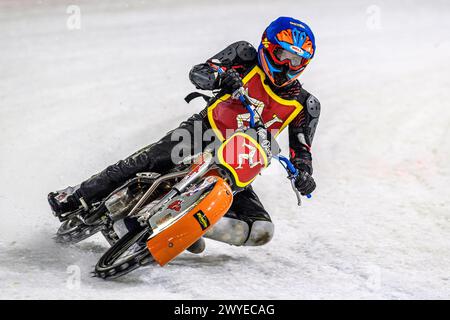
(285, 162)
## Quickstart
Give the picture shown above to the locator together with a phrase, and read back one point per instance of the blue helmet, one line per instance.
(287, 46)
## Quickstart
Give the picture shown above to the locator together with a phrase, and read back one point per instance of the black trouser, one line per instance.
(157, 158)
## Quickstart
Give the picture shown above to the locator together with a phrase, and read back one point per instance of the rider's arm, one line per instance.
(301, 131)
(239, 55)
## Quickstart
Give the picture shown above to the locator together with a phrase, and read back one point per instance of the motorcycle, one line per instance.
(165, 214)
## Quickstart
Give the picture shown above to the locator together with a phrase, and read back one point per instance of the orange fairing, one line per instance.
(172, 241)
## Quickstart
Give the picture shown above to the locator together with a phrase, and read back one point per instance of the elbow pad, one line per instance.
(313, 113)
(203, 77)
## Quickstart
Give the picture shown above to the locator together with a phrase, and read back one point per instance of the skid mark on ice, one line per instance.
(208, 260)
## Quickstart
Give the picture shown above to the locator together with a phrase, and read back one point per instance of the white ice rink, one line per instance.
(74, 101)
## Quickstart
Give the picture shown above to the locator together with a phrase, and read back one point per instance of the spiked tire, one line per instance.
(126, 255)
(74, 230)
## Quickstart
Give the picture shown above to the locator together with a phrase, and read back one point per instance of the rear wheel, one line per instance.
(127, 254)
(75, 230)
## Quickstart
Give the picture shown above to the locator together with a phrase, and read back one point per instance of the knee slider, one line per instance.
(229, 230)
(261, 233)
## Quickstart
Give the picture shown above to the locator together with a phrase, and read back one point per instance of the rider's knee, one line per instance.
(229, 230)
(261, 233)
(240, 233)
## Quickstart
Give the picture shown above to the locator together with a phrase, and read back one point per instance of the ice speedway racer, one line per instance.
(166, 214)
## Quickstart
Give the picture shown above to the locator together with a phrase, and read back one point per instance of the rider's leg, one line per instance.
(247, 223)
(155, 157)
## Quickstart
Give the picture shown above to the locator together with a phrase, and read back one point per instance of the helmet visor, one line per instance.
(284, 56)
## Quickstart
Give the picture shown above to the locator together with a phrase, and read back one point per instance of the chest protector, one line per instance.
(226, 115)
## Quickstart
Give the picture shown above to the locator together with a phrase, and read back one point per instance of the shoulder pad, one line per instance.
(245, 51)
(238, 52)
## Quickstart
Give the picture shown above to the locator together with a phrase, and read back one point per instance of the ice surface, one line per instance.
(74, 101)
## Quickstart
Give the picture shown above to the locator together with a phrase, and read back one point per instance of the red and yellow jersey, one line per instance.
(226, 114)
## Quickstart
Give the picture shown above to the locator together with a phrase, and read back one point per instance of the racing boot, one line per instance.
(66, 201)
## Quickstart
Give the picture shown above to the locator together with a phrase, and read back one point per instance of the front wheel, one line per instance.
(127, 254)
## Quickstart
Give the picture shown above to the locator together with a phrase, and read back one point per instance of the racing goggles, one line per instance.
(282, 56)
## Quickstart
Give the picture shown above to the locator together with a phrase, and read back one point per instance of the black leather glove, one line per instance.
(305, 183)
(229, 81)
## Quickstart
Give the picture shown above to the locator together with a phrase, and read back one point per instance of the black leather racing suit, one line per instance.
(156, 157)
